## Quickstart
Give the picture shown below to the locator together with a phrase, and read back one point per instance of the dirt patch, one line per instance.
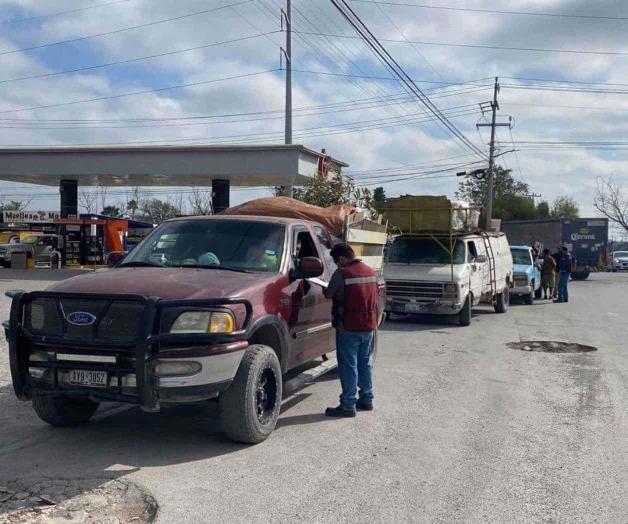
(547, 346)
(73, 501)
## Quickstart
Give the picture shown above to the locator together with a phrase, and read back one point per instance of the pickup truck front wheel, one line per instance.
(64, 411)
(249, 409)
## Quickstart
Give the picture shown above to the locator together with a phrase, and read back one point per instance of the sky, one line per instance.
(83, 72)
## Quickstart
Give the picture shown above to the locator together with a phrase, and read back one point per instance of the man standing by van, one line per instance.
(548, 281)
(353, 288)
(565, 264)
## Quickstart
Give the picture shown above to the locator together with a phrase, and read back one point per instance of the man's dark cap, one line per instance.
(342, 250)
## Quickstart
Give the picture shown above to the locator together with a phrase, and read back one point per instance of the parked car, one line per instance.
(216, 307)
(35, 246)
(527, 274)
(618, 261)
(424, 276)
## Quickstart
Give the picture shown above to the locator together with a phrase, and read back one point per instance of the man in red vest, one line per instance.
(353, 288)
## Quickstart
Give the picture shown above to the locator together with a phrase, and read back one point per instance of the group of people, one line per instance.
(555, 272)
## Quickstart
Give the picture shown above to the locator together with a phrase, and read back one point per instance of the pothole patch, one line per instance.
(548, 346)
(74, 501)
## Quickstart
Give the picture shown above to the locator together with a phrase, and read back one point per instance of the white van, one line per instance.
(424, 275)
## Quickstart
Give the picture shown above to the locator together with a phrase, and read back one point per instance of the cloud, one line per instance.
(539, 115)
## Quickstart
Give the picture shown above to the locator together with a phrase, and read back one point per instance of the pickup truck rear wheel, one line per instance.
(249, 409)
(503, 301)
(64, 411)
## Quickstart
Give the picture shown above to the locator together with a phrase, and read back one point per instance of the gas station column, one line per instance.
(69, 198)
(220, 195)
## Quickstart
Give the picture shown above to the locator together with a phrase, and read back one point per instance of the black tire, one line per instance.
(63, 411)
(529, 298)
(538, 294)
(249, 409)
(464, 317)
(502, 301)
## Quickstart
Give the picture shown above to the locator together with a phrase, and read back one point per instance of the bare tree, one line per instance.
(87, 201)
(200, 201)
(611, 200)
(102, 190)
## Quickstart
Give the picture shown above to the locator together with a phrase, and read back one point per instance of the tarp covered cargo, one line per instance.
(417, 213)
(331, 218)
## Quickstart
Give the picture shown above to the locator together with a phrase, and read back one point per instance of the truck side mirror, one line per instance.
(115, 257)
(307, 267)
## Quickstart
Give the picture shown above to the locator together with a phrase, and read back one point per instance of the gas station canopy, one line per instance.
(258, 165)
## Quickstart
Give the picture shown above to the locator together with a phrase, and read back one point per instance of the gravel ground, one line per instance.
(465, 429)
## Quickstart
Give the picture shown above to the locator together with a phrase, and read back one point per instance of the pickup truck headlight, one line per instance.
(203, 322)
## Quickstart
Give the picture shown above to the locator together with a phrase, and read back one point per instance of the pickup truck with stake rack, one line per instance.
(204, 308)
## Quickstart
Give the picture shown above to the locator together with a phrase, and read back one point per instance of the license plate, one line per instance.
(82, 377)
(414, 308)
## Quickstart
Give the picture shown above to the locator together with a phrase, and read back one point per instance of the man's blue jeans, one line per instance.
(563, 294)
(354, 351)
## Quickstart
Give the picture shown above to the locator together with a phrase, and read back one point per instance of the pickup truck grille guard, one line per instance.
(143, 347)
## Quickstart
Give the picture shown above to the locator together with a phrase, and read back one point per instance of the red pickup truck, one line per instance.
(204, 308)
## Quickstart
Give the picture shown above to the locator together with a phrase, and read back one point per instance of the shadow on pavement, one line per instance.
(118, 441)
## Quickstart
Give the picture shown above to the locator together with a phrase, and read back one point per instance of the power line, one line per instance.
(495, 11)
(246, 138)
(482, 46)
(384, 56)
(142, 92)
(132, 60)
(116, 31)
(19, 125)
(58, 13)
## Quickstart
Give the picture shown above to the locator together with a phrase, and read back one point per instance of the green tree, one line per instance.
(112, 211)
(14, 205)
(565, 207)
(332, 190)
(542, 210)
(157, 210)
(511, 197)
(379, 195)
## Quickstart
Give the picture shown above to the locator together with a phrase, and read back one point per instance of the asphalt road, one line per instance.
(465, 429)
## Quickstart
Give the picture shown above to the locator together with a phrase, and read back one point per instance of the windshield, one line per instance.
(227, 244)
(521, 256)
(424, 251)
(620, 254)
(30, 240)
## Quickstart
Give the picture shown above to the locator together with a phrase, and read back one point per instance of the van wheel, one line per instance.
(503, 301)
(249, 409)
(529, 298)
(464, 317)
(64, 411)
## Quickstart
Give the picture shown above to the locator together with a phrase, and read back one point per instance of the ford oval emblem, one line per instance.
(81, 318)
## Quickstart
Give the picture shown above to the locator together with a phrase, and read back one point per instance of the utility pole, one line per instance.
(288, 54)
(491, 154)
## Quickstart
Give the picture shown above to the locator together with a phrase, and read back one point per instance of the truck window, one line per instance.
(233, 244)
(473, 252)
(304, 245)
(521, 256)
(417, 250)
(325, 243)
